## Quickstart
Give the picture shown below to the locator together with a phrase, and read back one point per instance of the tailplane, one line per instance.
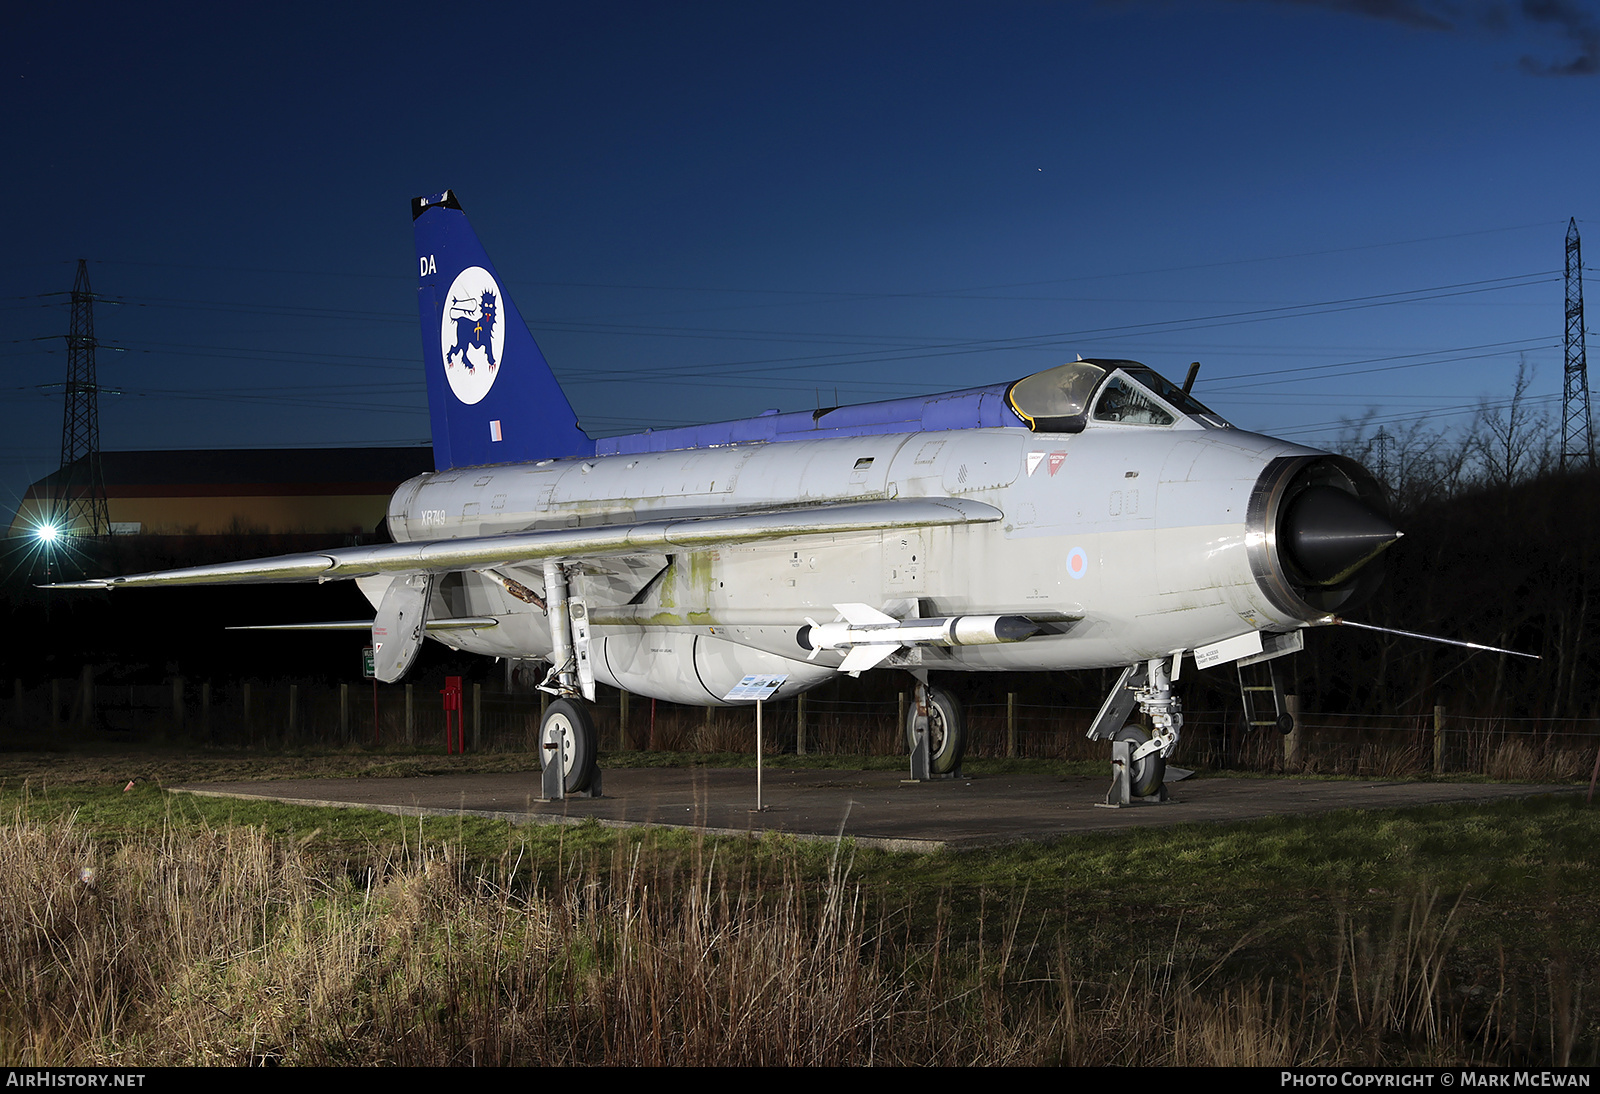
(491, 395)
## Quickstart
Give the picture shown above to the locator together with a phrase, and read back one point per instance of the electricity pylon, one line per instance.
(80, 499)
(1577, 431)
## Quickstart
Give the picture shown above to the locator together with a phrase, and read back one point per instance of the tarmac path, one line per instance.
(876, 808)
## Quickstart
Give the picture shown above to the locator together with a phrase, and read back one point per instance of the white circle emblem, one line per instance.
(1077, 562)
(472, 333)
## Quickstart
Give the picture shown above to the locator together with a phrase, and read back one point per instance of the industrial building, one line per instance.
(232, 492)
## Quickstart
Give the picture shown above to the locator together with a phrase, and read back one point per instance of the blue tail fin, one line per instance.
(491, 395)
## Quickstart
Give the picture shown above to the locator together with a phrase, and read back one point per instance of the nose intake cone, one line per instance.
(1331, 534)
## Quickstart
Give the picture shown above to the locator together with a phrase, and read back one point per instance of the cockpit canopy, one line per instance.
(1058, 399)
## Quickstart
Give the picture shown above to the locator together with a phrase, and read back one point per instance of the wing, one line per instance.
(479, 552)
(457, 623)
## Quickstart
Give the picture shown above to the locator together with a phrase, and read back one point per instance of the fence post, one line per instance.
(86, 698)
(1438, 739)
(246, 719)
(294, 707)
(800, 724)
(177, 703)
(622, 721)
(55, 705)
(1011, 724)
(205, 708)
(344, 713)
(16, 700)
(1292, 739)
(477, 717)
(411, 724)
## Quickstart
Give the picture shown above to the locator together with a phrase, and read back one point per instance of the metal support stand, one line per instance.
(921, 758)
(552, 778)
(919, 755)
(1121, 793)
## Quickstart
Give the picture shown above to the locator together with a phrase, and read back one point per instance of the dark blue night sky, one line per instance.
(706, 210)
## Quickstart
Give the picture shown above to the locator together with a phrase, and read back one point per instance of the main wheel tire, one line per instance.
(1148, 772)
(947, 731)
(570, 727)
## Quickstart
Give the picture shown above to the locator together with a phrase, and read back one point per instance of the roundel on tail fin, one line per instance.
(472, 333)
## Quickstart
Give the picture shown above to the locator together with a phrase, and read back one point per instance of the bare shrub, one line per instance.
(1526, 761)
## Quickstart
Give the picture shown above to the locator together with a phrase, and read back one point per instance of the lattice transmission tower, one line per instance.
(1577, 430)
(81, 498)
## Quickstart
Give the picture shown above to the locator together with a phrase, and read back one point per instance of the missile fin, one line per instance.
(863, 615)
(862, 658)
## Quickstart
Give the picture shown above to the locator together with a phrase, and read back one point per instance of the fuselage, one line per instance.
(1129, 540)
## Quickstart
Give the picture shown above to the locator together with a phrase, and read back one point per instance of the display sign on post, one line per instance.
(759, 687)
(755, 688)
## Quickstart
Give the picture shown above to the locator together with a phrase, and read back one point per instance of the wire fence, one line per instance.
(277, 713)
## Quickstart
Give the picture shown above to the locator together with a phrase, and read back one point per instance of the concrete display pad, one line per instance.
(876, 808)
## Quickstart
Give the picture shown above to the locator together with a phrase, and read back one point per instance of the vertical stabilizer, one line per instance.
(491, 395)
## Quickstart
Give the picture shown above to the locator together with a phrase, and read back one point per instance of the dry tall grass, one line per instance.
(226, 946)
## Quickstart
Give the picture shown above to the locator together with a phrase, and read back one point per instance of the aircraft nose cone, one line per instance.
(1330, 534)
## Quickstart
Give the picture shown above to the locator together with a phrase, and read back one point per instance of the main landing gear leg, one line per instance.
(1138, 759)
(567, 740)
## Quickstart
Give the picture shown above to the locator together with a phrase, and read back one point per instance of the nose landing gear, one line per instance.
(1138, 759)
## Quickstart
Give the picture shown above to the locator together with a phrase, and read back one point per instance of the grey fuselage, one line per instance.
(1131, 541)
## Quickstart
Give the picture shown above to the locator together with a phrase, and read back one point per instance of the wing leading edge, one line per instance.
(476, 552)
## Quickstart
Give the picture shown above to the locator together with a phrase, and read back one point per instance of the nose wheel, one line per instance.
(1147, 771)
(1139, 759)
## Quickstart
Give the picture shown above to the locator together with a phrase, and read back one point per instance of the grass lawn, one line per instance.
(1438, 934)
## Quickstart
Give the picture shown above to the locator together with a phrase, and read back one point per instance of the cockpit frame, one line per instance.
(1066, 398)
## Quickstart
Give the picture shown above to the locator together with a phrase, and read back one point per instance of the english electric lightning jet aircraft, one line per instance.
(1091, 516)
